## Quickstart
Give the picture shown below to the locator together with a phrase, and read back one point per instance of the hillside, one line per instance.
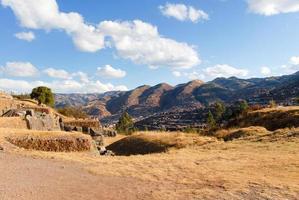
(146, 101)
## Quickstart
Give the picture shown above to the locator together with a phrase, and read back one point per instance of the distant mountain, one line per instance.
(146, 101)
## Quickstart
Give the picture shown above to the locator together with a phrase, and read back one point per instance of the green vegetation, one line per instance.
(74, 112)
(125, 124)
(211, 121)
(243, 107)
(43, 95)
(219, 110)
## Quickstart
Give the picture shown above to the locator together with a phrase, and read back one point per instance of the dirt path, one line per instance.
(29, 178)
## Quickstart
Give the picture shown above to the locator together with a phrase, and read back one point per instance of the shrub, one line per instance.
(43, 95)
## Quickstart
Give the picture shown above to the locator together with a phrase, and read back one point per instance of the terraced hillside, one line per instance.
(146, 101)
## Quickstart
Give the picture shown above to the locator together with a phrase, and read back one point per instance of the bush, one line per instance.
(43, 95)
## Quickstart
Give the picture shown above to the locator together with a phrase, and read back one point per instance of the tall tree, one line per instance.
(211, 121)
(219, 110)
(125, 124)
(43, 95)
(243, 106)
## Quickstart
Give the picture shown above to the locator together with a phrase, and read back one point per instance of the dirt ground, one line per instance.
(232, 170)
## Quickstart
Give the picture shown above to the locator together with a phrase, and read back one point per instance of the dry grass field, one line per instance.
(192, 168)
(270, 118)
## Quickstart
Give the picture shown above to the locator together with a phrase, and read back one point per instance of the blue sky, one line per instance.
(97, 46)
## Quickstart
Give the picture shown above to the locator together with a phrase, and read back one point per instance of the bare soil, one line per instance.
(26, 178)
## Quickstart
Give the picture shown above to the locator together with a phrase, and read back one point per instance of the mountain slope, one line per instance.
(146, 101)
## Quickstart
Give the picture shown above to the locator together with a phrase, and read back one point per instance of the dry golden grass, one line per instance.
(56, 141)
(233, 170)
(13, 122)
(219, 170)
(270, 118)
(231, 134)
(156, 142)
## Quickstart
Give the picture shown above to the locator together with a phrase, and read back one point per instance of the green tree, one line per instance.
(43, 95)
(243, 106)
(211, 121)
(125, 124)
(219, 110)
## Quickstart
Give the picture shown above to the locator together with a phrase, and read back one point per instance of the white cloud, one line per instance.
(141, 43)
(266, 71)
(195, 75)
(138, 41)
(292, 67)
(109, 72)
(82, 76)
(19, 69)
(294, 60)
(57, 73)
(183, 12)
(27, 36)
(177, 73)
(45, 14)
(225, 71)
(273, 7)
(62, 86)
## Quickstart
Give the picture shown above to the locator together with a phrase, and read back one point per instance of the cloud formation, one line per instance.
(62, 81)
(109, 72)
(19, 69)
(59, 86)
(294, 60)
(140, 42)
(226, 71)
(292, 67)
(209, 73)
(57, 73)
(273, 7)
(183, 12)
(27, 36)
(266, 71)
(137, 41)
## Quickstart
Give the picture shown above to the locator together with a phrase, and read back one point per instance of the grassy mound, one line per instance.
(258, 134)
(51, 141)
(249, 132)
(146, 143)
(270, 118)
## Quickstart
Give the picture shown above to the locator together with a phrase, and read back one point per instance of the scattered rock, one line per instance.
(104, 152)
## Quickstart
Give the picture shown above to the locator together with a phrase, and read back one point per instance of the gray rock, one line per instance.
(105, 152)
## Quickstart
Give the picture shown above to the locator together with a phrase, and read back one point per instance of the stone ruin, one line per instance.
(43, 119)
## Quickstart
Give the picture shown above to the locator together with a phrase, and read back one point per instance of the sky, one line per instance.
(92, 46)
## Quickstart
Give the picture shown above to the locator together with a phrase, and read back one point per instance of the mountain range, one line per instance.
(145, 101)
